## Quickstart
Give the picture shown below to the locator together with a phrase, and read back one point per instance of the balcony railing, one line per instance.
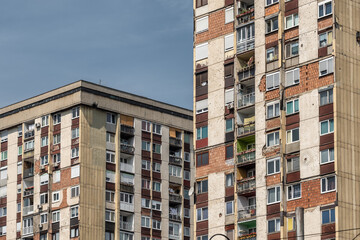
(247, 212)
(126, 167)
(126, 226)
(246, 129)
(246, 99)
(175, 142)
(28, 192)
(245, 45)
(245, 15)
(246, 157)
(251, 236)
(126, 206)
(126, 148)
(175, 198)
(246, 185)
(29, 134)
(29, 172)
(246, 73)
(124, 187)
(27, 230)
(174, 217)
(175, 159)
(28, 210)
(127, 129)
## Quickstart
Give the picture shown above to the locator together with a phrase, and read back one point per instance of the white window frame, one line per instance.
(271, 20)
(43, 219)
(229, 42)
(229, 15)
(329, 160)
(201, 131)
(44, 141)
(274, 56)
(110, 137)
(291, 190)
(274, 160)
(328, 124)
(326, 184)
(45, 181)
(57, 139)
(156, 224)
(277, 142)
(145, 221)
(57, 118)
(45, 121)
(4, 155)
(56, 176)
(75, 152)
(75, 112)
(55, 216)
(75, 171)
(156, 205)
(199, 28)
(111, 117)
(145, 164)
(329, 69)
(291, 46)
(156, 128)
(187, 175)
(275, 84)
(293, 24)
(29, 146)
(323, 3)
(156, 167)
(295, 75)
(290, 132)
(74, 211)
(111, 214)
(74, 133)
(175, 171)
(56, 196)
(201, 55)
(147, 127)
(75, 190)
(200, 109)
(200, 214)
(274, 104)
(156, 186)
(277, 188)
(44, 198)
(126, 197)
(291, 160)
(145, 203)
(111, 158)
(156, 148)
(232, 207)
(327, 38)
(277, 225)
(145, 145)
(272, 2)
(293, 106)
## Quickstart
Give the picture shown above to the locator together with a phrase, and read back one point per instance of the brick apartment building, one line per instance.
(86, 161)
(276, 118)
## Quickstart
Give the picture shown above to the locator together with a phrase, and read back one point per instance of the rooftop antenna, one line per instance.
(99, 81)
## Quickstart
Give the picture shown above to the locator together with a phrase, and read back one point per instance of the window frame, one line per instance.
(111, 117)
(292, 101)
(197, 21)
(232, 207)
(200, 217)
(56, 119)
(75, 112)
(57, 216)
(290, 189)
(275, 51)
(202, 160)
(274, 103)
(328, 126)
(274, 86)
(146, 221)
(273, 2)
(271, 20)
(293, 24)
(276, 133)
(329, 160)
(289, 49)
(291, 131)
(200, 186)
(57, 199)
(276, 222)
(294, 81)
(327, 60)
(327, 33)
(201, 133)
(111, 214)
(331, 212)
(76, 191)
(291, 160)
(76, 209)
(323, 3)
(329, 96)
(327, 184)
(274, 160)
(277, 189)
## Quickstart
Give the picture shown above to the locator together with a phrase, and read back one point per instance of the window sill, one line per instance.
(269, 90)
(325, 16)
(291, 114)
(291, 28)
(325, 134)
(272, 174)
(328, 191)
(293, 199)
(268, 204)
(271, 5)
(288, 58)
(273, 31)
(327, 162)
(320, 76)
(206, 30)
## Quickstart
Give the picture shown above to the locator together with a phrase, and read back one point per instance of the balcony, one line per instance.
(247, 73)
(246, 129)
(124, 206)
(28, 191)
(245, 15)
(175, 142)
(246, 99)
(175, 160)
(246, 157)
(128, 130)
(126, 167)
(28, 230)
(245, 45)
(127, 226)
(251, 236)
(246, 213)
(126, 148)
(174, 217)
(28, 172)
(28, 210)
(126, 187)
(246, 185)
(29, 134)
(175, 198)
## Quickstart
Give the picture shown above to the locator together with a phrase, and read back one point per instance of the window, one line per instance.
(57, 118)
(291, 223)
(3, 211)
(174, 171)
(272, 139)
(292, 135)
(19, 188)
(174, 229)
(56, 196)
(229, 180)
(145, 221)
(274, 225)
(19, 150)
(44, 121)
(293, 164)
(328, 184)
(272, 54)
(43, 218)
(187, 157)
(19, 168)
(229, 125)
(146, 126)
(187, 212)
(110, 157)
(229, 42)
(44, 198)
(75, 112)
(186, 193)
(294, 191)
(156, 186)
(55, 216)
(44, 179)
(200, 3)
(157, 128)
(272, 24)
(145, 203)
(204, 237)
(56, 176)
(145, 145)
(326, 67)
(110, 176)
(272, 81)
(75, 191)
(292, 106)
(156, 224)
(201, 51)
(202, 186)
(201, 79)
(229, 207)
(327, 127)
(328, 216)
(109, 215)
(291, 49)
(110, 137)
(74, 133)
(273, 110)
(273, 195)
(57, 139)
(229, 15)
(186, 175)
(202, 159)
(201, 132)
(292, 77)
(74, 212)
(74, 232)
(56, 158)
(110, 118)
(325, 8)
(202, 24)
(201, 106)
(145, 164)
(44, 160)
(20, 131)
(29, 145)
(273, 166)
(325, 39)
(56, 236)
(110, 196)
(75, 171)
(201, 214)
(291, 21)
(4, 136)
(109, 236)
(145, 183)
(327, 156)
(326, 97)
(44, 141)
(74, 152)
(187, 231)
(156, 148)
(269, 2)
(229, 151)
(4, 155)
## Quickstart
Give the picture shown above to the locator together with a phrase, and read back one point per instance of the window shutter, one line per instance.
(75, 171)
(269, 82)
(202, 24)
(276, 79)
(297, 75)
(229, 42)
(44, 177)
(201, 105)
(229, 15)
(229, 96)
(289, 78)
(201, 51)
(229, 70)
(322, 68)
(330, 65)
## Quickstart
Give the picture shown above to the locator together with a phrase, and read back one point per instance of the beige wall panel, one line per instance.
(126, 120)
(66, 120)
(259, 10)
(216, 54)
(71, 201)
(201, 10)
(312, 226)
(215, 5)
(216, 203)
(65, 223)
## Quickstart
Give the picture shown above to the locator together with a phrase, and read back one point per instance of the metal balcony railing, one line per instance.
(247, 72)
(245, 45)
(126, 226)
(126, 148)
(247, 212)
(124, 187)
(246, 99)
(29, 133)
(175, 142)
(174, 217)
(126, 167)
(246, 15)
(245, 185)
(28, 230)
(175, 159)
(29, 172)
(246, 157)
(127, 129)
(251, 236)
(28, 210)
(175, 198)
(126, 206)
(28, 192)
(246, 129)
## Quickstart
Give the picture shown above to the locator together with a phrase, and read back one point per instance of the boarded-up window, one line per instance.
(229, 70)
(202, 24)
(201, 51)
(229, 42)
(201, 79)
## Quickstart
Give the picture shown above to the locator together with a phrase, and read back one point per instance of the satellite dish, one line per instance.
(191, 191)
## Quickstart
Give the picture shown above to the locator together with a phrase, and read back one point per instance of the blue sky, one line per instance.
(139, 46)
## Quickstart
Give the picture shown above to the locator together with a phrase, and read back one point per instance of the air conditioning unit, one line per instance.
(37, 125)
(39, 206)
(56, 164)
(240, 87)
(230, 105)
(42, 167)
(40, 225)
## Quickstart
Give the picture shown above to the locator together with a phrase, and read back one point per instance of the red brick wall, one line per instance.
(271, 9)
(273, 179)
(325, 22)
(291, 33)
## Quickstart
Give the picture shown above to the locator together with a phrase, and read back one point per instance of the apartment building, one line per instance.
(276, 118)
(87, 161)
